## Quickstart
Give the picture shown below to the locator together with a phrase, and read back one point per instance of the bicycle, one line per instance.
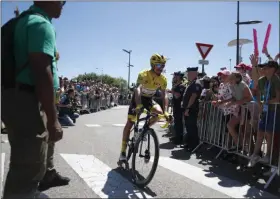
(137, 139)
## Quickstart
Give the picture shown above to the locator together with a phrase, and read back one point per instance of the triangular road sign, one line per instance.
(204, 49)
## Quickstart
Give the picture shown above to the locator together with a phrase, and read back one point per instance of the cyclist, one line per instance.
(148, 82)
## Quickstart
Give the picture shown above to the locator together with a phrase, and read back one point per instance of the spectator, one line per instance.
(241, 94)
(242, 69)
(67, 112)
(210, 93)
(253, 107)
(32, 133)
(269, 87)
(225, 95)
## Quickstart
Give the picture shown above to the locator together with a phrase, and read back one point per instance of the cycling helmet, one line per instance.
(157, 59)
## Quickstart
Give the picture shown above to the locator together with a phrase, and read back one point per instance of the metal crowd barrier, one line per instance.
(92, 104)
(124, 102)
(212, 125)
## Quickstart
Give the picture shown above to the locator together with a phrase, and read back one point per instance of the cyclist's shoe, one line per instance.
(122, 157)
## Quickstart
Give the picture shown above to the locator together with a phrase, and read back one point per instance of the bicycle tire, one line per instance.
(149, 178)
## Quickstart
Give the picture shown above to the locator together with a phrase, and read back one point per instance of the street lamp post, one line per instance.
(16, 12)
(237, 36)
(129, 65)
(101, 76)
(238, 23)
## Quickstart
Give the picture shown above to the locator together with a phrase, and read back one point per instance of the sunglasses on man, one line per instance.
(160, 65)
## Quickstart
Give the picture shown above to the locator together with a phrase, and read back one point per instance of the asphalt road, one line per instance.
(89, 151)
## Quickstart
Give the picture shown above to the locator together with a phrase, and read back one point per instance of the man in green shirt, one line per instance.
(269, 91)
(29, 110)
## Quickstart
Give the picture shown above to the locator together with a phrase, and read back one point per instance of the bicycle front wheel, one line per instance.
(144, 153)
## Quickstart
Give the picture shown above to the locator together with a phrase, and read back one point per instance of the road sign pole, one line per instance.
(202, 68)
(204, 50)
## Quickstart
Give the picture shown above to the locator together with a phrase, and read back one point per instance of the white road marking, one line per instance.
(120, 107)
(233, 188)
(93, 125)
(121, 125)
(118, 124)
(2, 163)
(104, 181)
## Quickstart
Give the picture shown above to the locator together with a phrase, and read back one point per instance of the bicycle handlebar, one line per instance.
(160, 116)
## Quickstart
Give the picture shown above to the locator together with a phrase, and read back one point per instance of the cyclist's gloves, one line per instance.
(166, 114)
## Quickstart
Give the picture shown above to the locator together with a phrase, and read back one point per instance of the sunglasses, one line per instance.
(160, 65)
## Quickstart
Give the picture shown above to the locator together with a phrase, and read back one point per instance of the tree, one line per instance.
(113, 81)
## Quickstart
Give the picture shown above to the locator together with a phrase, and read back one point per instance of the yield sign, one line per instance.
(204, 49)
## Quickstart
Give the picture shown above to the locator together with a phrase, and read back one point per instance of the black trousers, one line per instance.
(178, 123)
(191, 138)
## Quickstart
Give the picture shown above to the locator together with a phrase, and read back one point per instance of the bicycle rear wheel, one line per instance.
(150, 135)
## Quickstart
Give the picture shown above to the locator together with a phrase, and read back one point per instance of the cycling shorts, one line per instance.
(147, 102)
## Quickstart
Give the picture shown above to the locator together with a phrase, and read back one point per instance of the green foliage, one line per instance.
(117, 82)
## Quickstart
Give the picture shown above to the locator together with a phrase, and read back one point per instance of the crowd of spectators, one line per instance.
(248, 99)
(79, 97)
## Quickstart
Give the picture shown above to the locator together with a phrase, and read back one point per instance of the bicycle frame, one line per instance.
(147, 118)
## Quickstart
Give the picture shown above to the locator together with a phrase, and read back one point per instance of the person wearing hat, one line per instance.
(224, 96)
(178, 92)
(269, 88)
(201, 75)
(277, 57)
(190, 105)
(148, 82)
(242, 69)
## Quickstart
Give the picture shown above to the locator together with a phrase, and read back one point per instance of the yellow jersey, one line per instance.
(151, 82)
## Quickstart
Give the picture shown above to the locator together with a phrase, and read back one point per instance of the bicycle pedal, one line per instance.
(123, 164)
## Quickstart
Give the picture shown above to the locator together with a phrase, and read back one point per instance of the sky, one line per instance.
(91, 35)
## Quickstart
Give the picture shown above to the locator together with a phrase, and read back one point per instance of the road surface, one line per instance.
(89, 151)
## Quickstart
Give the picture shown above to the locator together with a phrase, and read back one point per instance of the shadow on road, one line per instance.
(180, 154)
(168, 134)
(167, 145)
(115, 187)
(235, 168)
(229, 167)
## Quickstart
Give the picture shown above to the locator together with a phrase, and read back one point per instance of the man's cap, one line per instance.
(224, 72)
(241, 65)
(244, 66)
(192, 69)
(270, 64)
(249, 67)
